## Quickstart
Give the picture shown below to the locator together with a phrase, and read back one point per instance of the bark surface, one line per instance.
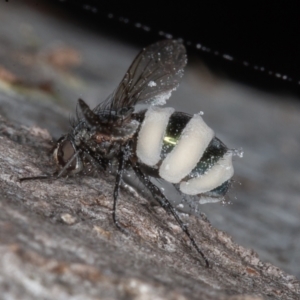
(58, 240)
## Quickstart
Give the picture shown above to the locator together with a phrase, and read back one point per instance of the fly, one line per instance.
(156, 142)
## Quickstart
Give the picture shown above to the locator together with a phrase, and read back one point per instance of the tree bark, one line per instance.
(58, 240)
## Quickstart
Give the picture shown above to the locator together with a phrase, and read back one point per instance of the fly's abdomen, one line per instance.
(185, 151)
(151, 134)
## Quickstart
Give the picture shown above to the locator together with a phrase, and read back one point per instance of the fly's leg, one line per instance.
(55, 175)
(97, 163)
(165, 203)
(123, 158)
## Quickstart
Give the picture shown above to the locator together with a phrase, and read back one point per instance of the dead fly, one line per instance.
(157, 142)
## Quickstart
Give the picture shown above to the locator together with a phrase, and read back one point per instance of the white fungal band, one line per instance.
(193, 141)
(214, 177)
(151, 135)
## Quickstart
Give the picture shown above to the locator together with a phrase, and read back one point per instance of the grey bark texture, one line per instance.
(57, 238)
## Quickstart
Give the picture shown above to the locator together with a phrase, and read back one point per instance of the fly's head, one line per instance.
(80, 152)
(95, 140)
(67, 156)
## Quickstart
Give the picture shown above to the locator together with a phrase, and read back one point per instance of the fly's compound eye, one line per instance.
(64, 153)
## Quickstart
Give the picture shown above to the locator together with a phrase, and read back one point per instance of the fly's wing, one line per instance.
(151, 78)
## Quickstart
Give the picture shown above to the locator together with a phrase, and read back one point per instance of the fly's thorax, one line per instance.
(122, 131)
(110, 139)
(105, 138)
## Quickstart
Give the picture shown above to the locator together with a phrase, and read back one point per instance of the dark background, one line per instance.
(266, 35)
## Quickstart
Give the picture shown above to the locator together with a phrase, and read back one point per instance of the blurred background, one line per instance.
(242, 73)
